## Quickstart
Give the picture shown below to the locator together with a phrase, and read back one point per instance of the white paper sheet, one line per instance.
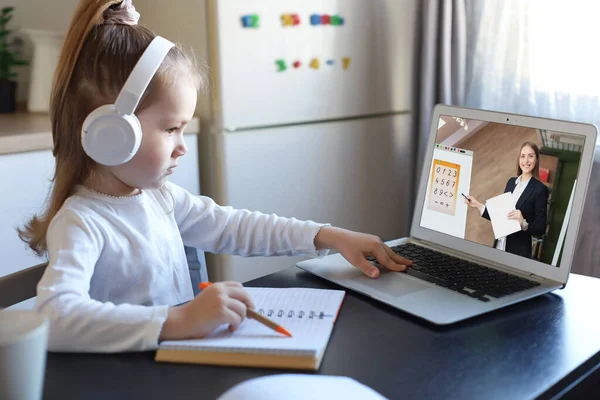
(308, 314)
(301, 387)
(498, 207)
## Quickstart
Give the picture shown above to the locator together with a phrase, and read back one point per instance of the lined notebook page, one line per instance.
(308, 314)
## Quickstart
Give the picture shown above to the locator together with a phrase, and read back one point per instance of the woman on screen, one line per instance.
(530, 197)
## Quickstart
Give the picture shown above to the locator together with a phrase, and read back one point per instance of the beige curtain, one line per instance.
(442, 66)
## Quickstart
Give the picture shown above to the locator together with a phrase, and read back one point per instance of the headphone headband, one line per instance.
(142, 74)
(112, 134)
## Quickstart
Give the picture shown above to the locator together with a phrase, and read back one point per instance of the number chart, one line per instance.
(443, 189)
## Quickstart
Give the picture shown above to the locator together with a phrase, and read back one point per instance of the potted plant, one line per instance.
(8, 60)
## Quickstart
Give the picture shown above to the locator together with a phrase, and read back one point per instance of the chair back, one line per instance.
(21, 285)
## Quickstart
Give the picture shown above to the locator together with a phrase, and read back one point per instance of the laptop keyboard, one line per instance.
(459, 275)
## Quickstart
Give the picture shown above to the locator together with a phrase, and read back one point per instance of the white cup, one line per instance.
(23, 345)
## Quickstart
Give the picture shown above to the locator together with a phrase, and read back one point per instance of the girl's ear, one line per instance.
(111, 134)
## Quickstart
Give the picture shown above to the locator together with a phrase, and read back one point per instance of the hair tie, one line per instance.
(121, 14)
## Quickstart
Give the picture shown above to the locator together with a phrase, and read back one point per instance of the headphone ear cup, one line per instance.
(110, 138)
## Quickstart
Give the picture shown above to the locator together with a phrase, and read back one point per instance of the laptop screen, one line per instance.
(503, 186)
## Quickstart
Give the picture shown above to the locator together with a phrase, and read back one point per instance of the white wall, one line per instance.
(183, 21)
(41, 14)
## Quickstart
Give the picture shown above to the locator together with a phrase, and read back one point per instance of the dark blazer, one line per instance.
(532, 203)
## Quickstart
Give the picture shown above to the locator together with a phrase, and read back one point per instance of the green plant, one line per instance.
(8, 57)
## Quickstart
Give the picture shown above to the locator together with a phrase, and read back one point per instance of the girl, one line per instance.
(115, 235)
(530, 197)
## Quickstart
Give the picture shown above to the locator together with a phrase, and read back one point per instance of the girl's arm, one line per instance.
(77, 322)
(206, 225)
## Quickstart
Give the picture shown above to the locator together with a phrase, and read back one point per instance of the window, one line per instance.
(537, 57)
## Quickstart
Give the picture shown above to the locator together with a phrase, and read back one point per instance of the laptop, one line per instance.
(468, 257)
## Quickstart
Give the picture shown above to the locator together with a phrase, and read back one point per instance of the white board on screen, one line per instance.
(449, 177)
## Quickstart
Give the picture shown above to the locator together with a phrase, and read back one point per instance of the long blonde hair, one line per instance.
(94, 64)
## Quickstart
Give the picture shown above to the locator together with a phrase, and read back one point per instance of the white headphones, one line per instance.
(111, 134)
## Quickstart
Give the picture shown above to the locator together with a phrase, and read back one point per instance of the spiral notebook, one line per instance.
(308, 314)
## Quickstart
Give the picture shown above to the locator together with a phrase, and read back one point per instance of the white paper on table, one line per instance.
(498, 207)
(301, 387)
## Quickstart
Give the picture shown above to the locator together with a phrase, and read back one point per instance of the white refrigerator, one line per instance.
(311, 116)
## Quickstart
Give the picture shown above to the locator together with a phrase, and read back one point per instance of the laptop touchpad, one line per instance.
(389, 284)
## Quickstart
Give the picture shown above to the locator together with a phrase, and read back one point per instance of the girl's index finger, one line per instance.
(384, 258)
(399, 259)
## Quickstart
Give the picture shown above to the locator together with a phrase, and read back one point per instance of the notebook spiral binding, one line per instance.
(291, 314)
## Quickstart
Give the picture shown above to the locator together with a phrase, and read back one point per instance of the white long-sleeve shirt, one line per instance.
(117, 263)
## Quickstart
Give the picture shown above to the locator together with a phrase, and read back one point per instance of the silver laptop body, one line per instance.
(450, 227)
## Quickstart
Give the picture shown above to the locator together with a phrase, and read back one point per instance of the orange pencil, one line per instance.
(250, 313)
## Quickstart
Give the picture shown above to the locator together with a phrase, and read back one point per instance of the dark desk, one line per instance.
(541, 347)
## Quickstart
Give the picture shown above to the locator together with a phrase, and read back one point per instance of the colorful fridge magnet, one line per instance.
(314, 64)
(326, 19)
(280, 65)
(330, 62)
(346, 61)
(250, 21)
(336, 20)
(290, 20)
(297, 64)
